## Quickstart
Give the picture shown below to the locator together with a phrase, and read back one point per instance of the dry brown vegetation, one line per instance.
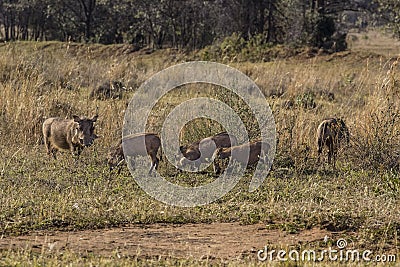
(41, 80)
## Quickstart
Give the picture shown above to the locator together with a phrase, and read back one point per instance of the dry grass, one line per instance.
(40, 80)
(377, 41)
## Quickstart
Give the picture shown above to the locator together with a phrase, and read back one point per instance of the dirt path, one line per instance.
(217, 240)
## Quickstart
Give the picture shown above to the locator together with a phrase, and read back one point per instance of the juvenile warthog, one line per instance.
(257, 151)
(193, 155)
(65, 134)
(330, 133)
(133, 145)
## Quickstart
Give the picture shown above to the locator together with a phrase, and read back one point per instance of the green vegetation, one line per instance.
(191, 24)
(360, 196)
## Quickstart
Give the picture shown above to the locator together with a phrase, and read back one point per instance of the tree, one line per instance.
(389, 12)
(183, 24)
(88, 7)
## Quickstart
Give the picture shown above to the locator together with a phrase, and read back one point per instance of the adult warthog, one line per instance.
(141, 144)
(68, 134)
(202, 151)
(258, 151)
(330, 133)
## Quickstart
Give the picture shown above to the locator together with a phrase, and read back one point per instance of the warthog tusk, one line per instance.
(119, 163)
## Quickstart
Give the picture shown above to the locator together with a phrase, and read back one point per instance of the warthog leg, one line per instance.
(118, 166)
(263, 158)
(76, 151)
(131, 163)
(320, 146)
(154, 164)
(53, 152)
(217, 168)
(331, 151)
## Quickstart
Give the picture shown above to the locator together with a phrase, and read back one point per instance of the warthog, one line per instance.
(68, 134)
(193, 155)
(134, 147)
(330, 133)
(257, 151)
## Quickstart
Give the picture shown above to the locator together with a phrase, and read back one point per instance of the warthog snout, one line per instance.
(87, 141)
(202, 151)
(85, 130)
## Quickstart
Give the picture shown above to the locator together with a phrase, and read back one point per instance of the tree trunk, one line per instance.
(271, 25)
(88, 9)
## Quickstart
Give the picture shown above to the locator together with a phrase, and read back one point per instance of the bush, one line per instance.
(235, 48)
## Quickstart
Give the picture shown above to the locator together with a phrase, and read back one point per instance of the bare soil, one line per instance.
(216, 240)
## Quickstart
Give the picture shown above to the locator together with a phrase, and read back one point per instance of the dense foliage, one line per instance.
(187, 24)
(390, 14)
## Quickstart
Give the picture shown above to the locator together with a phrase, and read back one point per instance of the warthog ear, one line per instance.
(76, 118)
(94, 118)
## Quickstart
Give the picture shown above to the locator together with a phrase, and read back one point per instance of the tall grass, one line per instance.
(55, 79)
(40, 80)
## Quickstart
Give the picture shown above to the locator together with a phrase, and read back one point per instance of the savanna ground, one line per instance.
(78, 213)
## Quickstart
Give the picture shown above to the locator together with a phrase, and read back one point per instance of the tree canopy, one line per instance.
(185, 24)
